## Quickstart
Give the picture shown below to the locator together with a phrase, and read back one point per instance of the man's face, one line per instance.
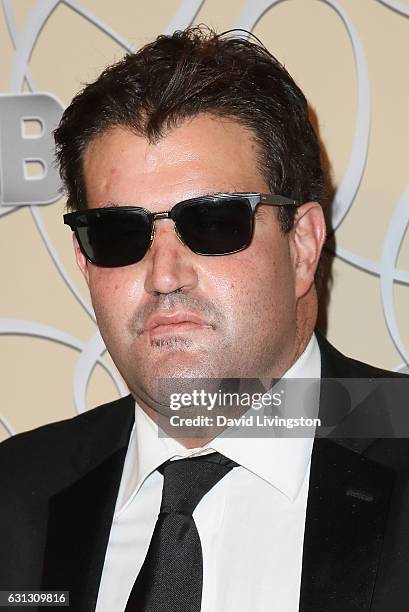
(243, 306)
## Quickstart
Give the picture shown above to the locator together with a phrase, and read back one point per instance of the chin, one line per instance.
(178, 356)
(167, 343)
(182, 366)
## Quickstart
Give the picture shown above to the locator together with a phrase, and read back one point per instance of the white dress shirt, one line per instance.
(251, 523)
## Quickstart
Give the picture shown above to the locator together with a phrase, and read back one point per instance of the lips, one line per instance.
(174, 323)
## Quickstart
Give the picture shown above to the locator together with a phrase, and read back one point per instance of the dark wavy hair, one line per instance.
(194, 71)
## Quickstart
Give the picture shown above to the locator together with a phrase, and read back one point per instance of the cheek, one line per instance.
(252, 284)
(113, 284)
(266, 269)
(114, 294)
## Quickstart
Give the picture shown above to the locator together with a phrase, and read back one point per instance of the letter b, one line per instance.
(18, 150)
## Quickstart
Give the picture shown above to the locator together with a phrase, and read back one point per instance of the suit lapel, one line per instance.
(80, 516)
(347, 506)
(348, 502)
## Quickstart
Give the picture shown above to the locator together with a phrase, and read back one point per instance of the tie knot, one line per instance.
(186, 481)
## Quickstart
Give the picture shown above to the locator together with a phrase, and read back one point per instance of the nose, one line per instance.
(170, 264)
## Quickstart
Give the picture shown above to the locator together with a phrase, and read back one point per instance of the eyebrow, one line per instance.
(111, 204)
(118, 204)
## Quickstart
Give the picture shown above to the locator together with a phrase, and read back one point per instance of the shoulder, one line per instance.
(375, 423)
(54, 447)
(335, 364)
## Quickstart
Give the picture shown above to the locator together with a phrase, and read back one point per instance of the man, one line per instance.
(195, 187)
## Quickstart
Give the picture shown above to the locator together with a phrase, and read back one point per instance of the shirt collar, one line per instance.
(282, 462)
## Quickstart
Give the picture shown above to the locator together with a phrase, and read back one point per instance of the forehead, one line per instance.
(203, 155)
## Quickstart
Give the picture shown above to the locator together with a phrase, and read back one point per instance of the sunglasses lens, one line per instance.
(114, 238)
(216, 227)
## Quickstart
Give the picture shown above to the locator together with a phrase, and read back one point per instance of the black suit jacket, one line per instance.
(59, 484)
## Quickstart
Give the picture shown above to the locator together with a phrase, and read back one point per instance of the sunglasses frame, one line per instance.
(79, 218)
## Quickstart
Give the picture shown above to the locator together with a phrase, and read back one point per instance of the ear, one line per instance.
(81, 259)
(306, 241)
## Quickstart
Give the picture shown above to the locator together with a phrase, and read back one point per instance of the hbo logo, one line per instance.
(27, 172)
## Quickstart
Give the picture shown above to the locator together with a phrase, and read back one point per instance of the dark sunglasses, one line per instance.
(218, 224)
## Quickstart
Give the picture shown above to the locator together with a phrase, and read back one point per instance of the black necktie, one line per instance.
(171, 576)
